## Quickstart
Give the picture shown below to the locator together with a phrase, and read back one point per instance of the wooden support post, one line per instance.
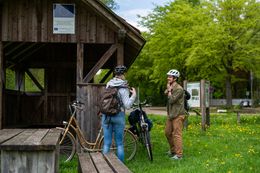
(203, 105)
(1, 83)
(120, 54)
(80, 62)
(80, 89)
(208, 116)
(46, 86)
(120, 47)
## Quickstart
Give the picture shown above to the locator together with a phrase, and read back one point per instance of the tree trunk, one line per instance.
(228, 91)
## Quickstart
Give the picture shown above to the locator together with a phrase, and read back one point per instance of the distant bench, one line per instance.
(99, 163)
(29, 150)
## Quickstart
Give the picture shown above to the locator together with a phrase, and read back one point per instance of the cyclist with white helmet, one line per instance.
(175, 115)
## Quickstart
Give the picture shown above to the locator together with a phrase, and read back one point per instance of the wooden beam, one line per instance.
(120, 54)
(34, 80)
(80, 62)
(120, 50)
(14, 64)
(1, 83)
(100, 63)
(45, 96)
(24, 50)
(2, 73)
(105, 12)
(106, 76)
(14, 49)
(7, 44)
(115, 21)
(33, 64)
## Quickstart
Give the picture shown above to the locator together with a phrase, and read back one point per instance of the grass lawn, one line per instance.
(225, 147)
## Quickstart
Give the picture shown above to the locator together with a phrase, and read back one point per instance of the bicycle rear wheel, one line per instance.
(130, 145)
(67, 146)
(147, 143)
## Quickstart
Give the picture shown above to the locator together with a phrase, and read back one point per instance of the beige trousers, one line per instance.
(173, 133)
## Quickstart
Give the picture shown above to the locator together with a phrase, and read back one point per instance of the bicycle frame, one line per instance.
(73, 124)
(142, 123)
(144, 135)
(71, 130)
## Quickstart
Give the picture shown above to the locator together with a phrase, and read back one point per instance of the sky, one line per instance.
(129, 9)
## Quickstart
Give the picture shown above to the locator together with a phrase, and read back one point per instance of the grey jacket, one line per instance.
(123, 93)
(175, 103)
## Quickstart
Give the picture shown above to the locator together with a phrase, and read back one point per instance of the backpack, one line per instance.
(110, 103)
(186, 98)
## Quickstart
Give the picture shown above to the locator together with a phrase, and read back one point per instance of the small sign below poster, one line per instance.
(63, 18)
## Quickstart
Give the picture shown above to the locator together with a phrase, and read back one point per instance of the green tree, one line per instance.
(225, 45)
(211, 40)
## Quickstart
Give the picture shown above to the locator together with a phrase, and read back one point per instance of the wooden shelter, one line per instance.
(68, 41)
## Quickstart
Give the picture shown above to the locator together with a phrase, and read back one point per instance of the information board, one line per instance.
(63, 18)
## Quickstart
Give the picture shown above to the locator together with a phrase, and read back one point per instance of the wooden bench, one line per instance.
(99, 163)
(29, 150)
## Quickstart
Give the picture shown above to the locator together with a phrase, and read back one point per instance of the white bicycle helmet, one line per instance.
(174, 73)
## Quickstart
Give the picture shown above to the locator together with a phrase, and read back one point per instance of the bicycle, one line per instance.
(143, 129)
(68, 140)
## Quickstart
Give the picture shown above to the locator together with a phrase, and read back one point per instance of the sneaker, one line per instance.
(175, 157)
(170, 154)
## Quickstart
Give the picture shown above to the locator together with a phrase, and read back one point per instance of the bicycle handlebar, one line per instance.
(76, 105)
(140, 103)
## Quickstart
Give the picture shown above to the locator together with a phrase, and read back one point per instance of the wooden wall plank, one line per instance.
(32, 20)
(1, 83)
(29, 162)
(43, 21)
(4, 23)
(88, 118)
(92, 28)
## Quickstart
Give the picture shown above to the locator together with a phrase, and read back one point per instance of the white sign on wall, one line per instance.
(63, 18)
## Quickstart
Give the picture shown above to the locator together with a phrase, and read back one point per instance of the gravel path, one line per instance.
(153, 110)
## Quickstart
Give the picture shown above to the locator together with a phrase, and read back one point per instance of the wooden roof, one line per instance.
(133, 41)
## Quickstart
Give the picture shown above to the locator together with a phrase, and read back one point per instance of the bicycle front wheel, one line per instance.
(147, 143)
(67, 146)
(130, 145)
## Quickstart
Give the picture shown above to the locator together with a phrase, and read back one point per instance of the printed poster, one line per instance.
(63, 18)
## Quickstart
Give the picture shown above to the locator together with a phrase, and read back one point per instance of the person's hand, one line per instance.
(169, 87)
(133, 91)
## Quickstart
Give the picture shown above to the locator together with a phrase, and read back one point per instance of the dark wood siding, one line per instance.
(88, 118)
(32, 21)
